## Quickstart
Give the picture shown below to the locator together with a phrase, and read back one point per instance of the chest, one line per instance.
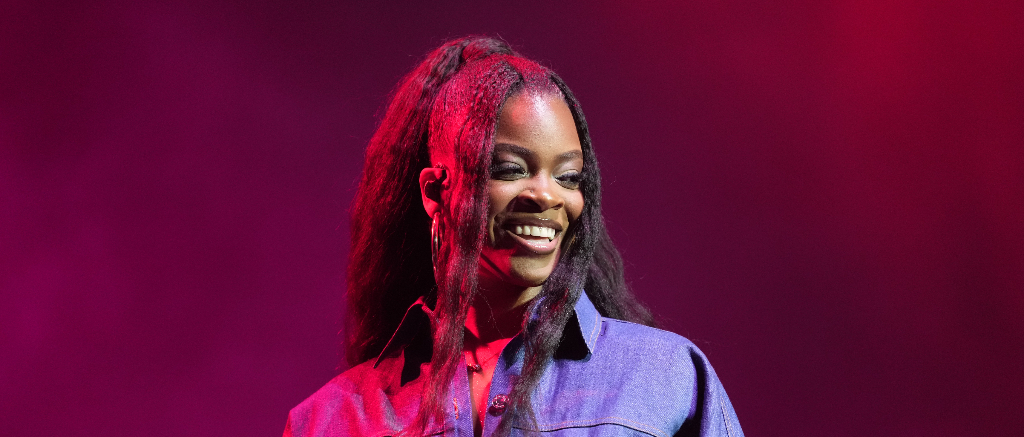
(573, 398)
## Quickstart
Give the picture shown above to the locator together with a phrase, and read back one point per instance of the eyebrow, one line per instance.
(522, 151)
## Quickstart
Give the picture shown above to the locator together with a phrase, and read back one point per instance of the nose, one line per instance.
(540, 195)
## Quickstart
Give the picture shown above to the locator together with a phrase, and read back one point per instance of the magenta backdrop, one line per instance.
(827, 197)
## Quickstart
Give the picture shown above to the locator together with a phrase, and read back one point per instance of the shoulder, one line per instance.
(615, 331)
(361, 401)
(323, 413)
(656, 350)
(646, 379)
(674, 362)
(333, 395)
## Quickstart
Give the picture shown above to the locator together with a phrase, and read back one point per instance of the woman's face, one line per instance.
(533, 190)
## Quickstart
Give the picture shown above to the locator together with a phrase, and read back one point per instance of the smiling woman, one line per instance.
(485, 295)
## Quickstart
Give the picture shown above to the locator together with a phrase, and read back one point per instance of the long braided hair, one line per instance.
(450, 104)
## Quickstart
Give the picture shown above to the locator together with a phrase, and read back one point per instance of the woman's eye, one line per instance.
(570, 180)
(507, 171)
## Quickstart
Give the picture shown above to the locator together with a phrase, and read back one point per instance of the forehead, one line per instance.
(537, 120)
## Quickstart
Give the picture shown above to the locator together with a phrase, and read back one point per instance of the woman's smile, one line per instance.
(538, 235)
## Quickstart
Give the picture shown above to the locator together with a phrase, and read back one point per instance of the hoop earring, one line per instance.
(435, 243)
(435, 226)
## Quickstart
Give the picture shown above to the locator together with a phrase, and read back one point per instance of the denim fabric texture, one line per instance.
(608, 378)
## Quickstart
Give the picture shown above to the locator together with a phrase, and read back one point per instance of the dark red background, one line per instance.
(827, 197)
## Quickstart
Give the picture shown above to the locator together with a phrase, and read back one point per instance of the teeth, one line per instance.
(534, 231)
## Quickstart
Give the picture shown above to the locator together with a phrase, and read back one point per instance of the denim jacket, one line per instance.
(607, 378)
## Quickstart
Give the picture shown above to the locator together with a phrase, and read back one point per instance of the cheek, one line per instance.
(574, 205)
(498, 199)
(493, 198)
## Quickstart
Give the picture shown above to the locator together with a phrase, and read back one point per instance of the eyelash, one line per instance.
(509, 171)
(570, 180)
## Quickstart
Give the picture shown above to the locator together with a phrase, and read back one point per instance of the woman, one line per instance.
(502, 310)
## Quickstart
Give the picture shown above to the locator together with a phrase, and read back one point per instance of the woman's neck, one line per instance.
(496, 315)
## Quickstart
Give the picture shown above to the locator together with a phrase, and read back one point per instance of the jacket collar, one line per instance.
(580, 333)
(589, 322)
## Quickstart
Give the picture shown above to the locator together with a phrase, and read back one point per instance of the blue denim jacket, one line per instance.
(608, 378)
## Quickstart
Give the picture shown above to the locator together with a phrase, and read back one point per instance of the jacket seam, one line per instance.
(593, 333)
(608, 420)
(725, 417)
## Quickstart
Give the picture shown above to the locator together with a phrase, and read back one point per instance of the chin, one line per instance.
(516, 271)
(530, 277)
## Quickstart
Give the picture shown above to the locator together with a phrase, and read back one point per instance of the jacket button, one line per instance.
(498, 405)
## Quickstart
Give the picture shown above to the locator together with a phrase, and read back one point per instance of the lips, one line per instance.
(537, 235)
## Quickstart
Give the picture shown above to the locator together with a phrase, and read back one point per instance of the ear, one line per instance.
(432, 183)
